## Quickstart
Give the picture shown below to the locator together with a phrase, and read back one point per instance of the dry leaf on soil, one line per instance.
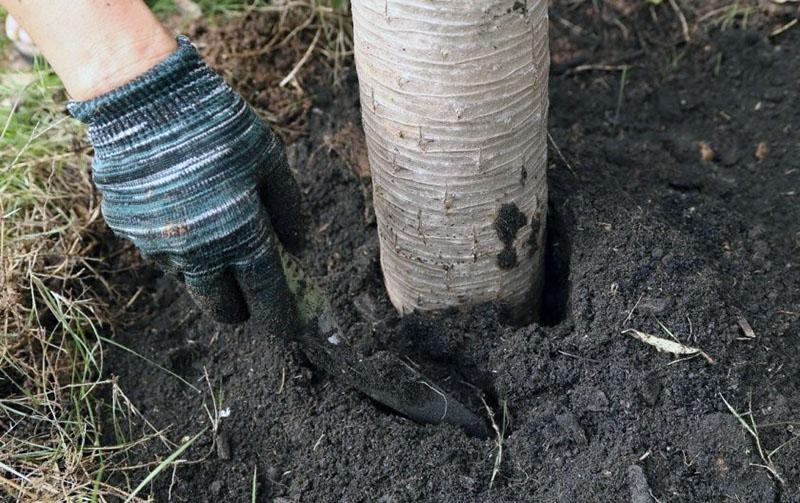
(761, 150)
(666, 345)
(707, 153)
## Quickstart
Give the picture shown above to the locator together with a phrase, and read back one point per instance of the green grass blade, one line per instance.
(163, 465)
(148, 360)
(255, 485)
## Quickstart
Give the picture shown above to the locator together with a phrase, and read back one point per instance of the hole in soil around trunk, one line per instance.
(558, 253)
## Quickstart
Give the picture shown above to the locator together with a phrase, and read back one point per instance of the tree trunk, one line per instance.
(454, 106)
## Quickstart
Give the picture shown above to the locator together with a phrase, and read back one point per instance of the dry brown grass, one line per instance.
(53, 300)
(65, 426)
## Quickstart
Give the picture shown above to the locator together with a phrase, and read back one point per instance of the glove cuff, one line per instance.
(179, 84)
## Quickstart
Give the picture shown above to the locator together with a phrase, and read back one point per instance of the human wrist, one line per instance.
(111, 66)
(93, 46)
(181, 90)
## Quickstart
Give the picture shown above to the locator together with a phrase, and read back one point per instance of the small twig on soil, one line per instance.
(612, 19)
(784, 28)
(679, 360)
(151, 362)
(712, 13)
(667, 331)
(172, 481)
(319, 441)
(682, 19)
(14, 472)
(117, 392)
(773, 451)
(283, 380)
(667, 346)
(440, 393)
(18, 488)
(257, 52)
(654, 496)
(214, 417)
(302, 61)
(297, 29)
(752, 429)
(500, 432)
(630, 313)
(595, 67)
(133, 297)
(560, 155)
(578, 357)
(578, 30)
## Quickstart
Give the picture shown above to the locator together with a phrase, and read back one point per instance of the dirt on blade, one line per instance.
(643, 234)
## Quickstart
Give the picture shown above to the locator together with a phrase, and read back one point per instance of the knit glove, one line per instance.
(198, 182)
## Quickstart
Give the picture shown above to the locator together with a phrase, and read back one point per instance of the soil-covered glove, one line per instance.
(197, 181)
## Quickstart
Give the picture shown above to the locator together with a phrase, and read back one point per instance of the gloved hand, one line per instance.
(198, 182)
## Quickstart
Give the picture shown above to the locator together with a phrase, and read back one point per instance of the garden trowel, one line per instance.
(382, 376)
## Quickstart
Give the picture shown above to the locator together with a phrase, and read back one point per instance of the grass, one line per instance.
(254, 487)
(736, 13)
(209, 7)
(500, 437)
(621, 93)
(168, 461)
(328, 18)
(748, 422)
(215, 7)
(66, 430)
(50, 357)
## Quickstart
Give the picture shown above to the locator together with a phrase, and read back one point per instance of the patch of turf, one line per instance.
(52, 301)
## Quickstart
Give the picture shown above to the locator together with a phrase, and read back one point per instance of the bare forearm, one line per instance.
(95, 46)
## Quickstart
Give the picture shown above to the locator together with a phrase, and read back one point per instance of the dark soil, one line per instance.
(642, 234)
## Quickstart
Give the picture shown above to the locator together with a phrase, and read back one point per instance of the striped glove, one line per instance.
(197, 181)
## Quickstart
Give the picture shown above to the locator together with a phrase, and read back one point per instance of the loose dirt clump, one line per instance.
(643, 233)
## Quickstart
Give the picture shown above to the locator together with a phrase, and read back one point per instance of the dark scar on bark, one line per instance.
(507, 224)
(523, 176)
(533, 239)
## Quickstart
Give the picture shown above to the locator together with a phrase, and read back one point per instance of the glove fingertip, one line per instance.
(265, 290)
(281, 196)
(218, 296)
